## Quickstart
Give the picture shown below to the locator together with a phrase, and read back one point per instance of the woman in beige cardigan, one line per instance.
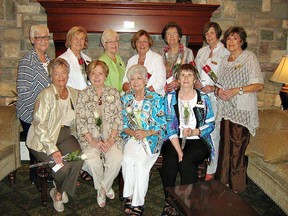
(50, 135)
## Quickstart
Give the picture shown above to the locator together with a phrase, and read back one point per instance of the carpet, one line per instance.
(24, 199)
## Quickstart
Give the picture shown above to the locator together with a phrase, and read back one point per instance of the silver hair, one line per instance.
(108, 33)
(36, 29)
(137, 69)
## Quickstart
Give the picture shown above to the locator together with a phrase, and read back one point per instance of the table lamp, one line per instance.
(281, 76)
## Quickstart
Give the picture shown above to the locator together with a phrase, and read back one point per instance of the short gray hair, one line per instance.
(137, 69)
(108, 33)
(36, 29)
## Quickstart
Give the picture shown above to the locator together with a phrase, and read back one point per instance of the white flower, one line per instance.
(96, 115)
(179, 61)
(110, 98)
(84, 157)
(129, 109)
(185, 103)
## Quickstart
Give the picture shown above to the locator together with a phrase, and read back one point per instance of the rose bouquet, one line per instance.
(212, 76)
(72, 156)
(135, 126)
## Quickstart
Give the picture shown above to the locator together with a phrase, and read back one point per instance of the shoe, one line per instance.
(85, 175)
(65, 198)
(137, 210)
(128, 206)
(168, 210)
(101, 197)
(58, 205)
(110, 194)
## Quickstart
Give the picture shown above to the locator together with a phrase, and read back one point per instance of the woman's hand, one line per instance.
(174, 85)
(208, 88)
(180, 155)
(227, 94)
(57, 157)
(108, 144)
(140, 134)
(191, 132)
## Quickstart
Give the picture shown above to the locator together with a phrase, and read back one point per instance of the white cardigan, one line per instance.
(155, 66)
(76, 79)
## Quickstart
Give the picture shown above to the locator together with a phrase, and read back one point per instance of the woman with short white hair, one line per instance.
(32, 78)
(110, 43)
(143, 129)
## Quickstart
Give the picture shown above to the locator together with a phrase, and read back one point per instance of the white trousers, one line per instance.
(215, 135)
(136, 166)
(103, 173)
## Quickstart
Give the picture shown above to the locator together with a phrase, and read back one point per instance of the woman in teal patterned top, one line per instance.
(143, 129)
(110, 42)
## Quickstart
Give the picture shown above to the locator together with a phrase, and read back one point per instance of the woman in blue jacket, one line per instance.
(190, 120)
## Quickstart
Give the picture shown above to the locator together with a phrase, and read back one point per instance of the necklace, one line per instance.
(100, 100)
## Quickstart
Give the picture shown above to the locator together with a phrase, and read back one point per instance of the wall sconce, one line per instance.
(281, 76)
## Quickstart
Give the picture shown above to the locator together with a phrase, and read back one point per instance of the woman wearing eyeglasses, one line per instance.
(76, 42)
(32, 78)
(142, 42)
(110, 43)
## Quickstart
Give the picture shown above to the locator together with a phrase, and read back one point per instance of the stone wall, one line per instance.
(266, 22)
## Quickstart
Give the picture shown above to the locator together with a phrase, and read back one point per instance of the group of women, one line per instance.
(169, 106)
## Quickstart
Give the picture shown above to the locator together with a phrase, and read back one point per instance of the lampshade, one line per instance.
(281, 73)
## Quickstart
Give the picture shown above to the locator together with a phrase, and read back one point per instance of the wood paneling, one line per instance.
(97, 16)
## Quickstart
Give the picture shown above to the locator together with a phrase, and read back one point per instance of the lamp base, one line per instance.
(284, 96)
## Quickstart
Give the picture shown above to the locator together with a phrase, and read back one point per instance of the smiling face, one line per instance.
(77, 42)
(112, 45)
(60, 76)
(142, 45)
(40, 40)
(233, 43)
(211, 37)
(97, 76)
(172, 36)
(186, 79)
(137, 81)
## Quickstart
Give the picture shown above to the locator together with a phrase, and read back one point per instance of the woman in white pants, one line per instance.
(99, 120)
(211, 55)
(143, 129)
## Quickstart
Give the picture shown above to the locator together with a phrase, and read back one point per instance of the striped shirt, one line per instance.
(32, 78)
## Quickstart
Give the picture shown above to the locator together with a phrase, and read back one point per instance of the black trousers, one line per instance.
(195, 152)
(33, 171)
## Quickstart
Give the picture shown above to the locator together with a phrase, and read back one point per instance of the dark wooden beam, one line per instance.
(97, 16)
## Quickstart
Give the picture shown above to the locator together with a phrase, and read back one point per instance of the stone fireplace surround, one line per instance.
(125, 17)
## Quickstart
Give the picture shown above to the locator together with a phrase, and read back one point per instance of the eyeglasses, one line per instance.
(40, 38)
(112, 42)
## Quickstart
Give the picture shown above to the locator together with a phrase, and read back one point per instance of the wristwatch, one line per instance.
(241, 92)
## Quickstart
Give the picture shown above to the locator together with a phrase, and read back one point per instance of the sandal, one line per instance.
(137, 210)
(168, 210)
(101, 197)
(85, 175)
(128, 206)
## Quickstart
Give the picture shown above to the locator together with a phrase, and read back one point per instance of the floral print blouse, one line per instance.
(88, 111)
